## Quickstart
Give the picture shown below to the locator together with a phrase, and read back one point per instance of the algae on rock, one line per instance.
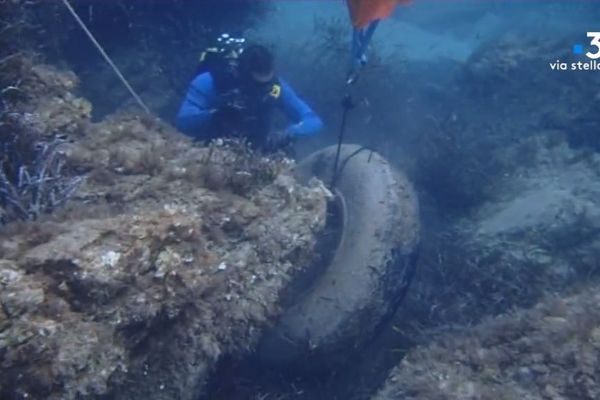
(551, 351)
(170, 256)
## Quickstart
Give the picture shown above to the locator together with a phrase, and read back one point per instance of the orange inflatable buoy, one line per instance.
(363, 12)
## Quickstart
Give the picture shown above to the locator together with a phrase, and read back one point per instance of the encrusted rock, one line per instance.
(116, 296)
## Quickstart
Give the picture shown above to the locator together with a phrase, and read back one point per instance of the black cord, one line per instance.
(338, 172)
(347, 105)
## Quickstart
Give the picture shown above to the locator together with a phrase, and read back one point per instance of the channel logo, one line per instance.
(579, 50)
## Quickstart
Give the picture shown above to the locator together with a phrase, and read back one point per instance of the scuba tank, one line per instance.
(221, 60)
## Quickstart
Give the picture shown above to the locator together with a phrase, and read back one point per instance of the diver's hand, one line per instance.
(229, 108)
(231, 100)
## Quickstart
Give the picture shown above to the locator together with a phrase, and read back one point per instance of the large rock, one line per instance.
(549, 352)
(170, 256)
(539, 234)
(143, 305)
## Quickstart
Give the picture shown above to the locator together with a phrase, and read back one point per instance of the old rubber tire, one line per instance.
(371, 269)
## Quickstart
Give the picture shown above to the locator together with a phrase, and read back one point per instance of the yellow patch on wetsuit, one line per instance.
(275, 91)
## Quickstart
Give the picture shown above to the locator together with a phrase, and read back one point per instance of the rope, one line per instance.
(347, 105)
(106, 57)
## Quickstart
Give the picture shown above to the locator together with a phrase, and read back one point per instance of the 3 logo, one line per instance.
(596, 43)
(593, 64)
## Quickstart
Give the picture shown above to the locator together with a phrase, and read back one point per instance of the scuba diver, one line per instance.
(235, 93)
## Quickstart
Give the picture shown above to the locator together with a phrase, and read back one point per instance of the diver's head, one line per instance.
(256, 65)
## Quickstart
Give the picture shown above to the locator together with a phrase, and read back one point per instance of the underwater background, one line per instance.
(460, 95)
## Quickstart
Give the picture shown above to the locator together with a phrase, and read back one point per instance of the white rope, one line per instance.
(106, 57)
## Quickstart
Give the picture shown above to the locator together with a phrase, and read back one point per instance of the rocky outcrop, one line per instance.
(169, 256)
(549, 352)
(146, 303)
(539, 234)
(532, 230)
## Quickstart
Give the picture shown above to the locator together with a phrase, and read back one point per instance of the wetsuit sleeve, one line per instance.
(196, 110)
(306, 121)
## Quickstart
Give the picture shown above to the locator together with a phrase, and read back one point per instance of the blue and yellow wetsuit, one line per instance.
(202, 98)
